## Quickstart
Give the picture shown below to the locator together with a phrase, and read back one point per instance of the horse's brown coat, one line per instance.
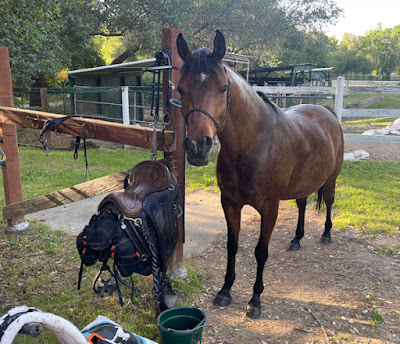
(266, 155)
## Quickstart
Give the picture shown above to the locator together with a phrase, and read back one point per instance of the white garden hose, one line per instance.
(65, 331)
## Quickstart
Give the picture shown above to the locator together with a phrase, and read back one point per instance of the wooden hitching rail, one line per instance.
(90, 128)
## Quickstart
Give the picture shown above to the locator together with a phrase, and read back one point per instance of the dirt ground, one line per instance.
(320, 294)
(377, 151)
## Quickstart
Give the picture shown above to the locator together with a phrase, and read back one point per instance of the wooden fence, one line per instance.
(337, 93)
(11, 117)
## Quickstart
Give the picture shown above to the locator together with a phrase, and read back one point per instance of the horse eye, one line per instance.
(180, 91)
(223, 89)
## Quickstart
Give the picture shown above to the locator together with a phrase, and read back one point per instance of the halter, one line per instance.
(205, 112)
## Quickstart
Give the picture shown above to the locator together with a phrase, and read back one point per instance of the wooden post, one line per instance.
(168, 42)
(339, 93)
(11, 172)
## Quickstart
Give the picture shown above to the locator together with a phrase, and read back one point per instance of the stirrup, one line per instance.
(102, 286)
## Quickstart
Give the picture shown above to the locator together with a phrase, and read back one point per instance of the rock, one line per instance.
(369, 132)
(361, 154)
(393, 129)
(395, 132)
(356, 155)
(349, 156)
(383, 131)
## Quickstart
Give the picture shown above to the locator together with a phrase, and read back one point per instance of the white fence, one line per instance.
(337, 93)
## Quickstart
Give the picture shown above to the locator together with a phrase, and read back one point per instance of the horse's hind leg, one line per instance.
(329, 197)
(268, 219)
(295, 243)
(232, 216)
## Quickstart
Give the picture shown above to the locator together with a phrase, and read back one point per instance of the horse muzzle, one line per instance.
(198, 152)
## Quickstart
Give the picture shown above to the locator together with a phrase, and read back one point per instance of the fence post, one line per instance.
(125, 104)
(134, 107)
(168, 42)
(11, 170)
(339, 93)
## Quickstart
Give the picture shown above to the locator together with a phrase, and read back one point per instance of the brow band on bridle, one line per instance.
(205, 112)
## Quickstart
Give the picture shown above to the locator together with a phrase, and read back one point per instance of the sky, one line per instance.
(361, 16)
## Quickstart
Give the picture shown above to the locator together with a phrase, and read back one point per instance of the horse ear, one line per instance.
(219, 45)
(183, 49)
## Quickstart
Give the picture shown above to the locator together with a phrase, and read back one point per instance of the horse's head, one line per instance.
(204, 90)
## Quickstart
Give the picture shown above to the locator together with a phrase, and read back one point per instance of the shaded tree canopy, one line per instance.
(45, 36)
(254, 27)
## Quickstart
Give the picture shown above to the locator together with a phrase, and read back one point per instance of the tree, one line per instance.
(347, 57)
(44, 36)
(382, 48)
(255, 27)
(309, 47)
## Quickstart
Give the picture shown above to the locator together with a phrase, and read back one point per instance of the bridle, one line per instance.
(205, 112)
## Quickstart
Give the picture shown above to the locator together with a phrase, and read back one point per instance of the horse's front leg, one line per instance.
(269, 214)
(232, 216)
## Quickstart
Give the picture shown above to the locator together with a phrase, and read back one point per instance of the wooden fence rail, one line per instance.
(337, 93)
(169, 142)
(89, 128)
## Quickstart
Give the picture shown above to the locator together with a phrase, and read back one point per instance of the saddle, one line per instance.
(138, 229)
(145, 178)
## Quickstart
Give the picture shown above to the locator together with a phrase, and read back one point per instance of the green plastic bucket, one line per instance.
(181, 325)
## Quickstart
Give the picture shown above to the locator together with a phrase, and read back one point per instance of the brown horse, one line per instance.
(266, 155)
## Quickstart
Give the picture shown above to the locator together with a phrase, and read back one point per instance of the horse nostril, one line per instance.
(190, 145)
(205, 144)
(208, 142)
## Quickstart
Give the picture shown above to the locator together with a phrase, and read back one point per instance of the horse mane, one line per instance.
(266, 100)
(200, 61)
(331, 110)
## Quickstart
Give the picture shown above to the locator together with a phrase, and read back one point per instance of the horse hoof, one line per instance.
(222, 299)
(294, 246)
(253, 312)
(326, 240)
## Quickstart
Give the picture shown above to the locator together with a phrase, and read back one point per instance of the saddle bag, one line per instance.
(137, 229)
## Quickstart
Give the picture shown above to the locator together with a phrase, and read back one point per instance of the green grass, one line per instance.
(358, 126)
(389, 101)
(376, 318)
(40, 269)
(388, 251)
(367, 194)
(203, 177)
(367, 197)
(375, 122)
(40, 175)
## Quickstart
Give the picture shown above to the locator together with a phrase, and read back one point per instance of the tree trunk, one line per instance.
(34, 97)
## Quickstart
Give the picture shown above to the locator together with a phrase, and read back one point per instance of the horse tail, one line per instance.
(320, 194)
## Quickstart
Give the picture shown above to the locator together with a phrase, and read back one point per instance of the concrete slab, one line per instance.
(204, 218)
